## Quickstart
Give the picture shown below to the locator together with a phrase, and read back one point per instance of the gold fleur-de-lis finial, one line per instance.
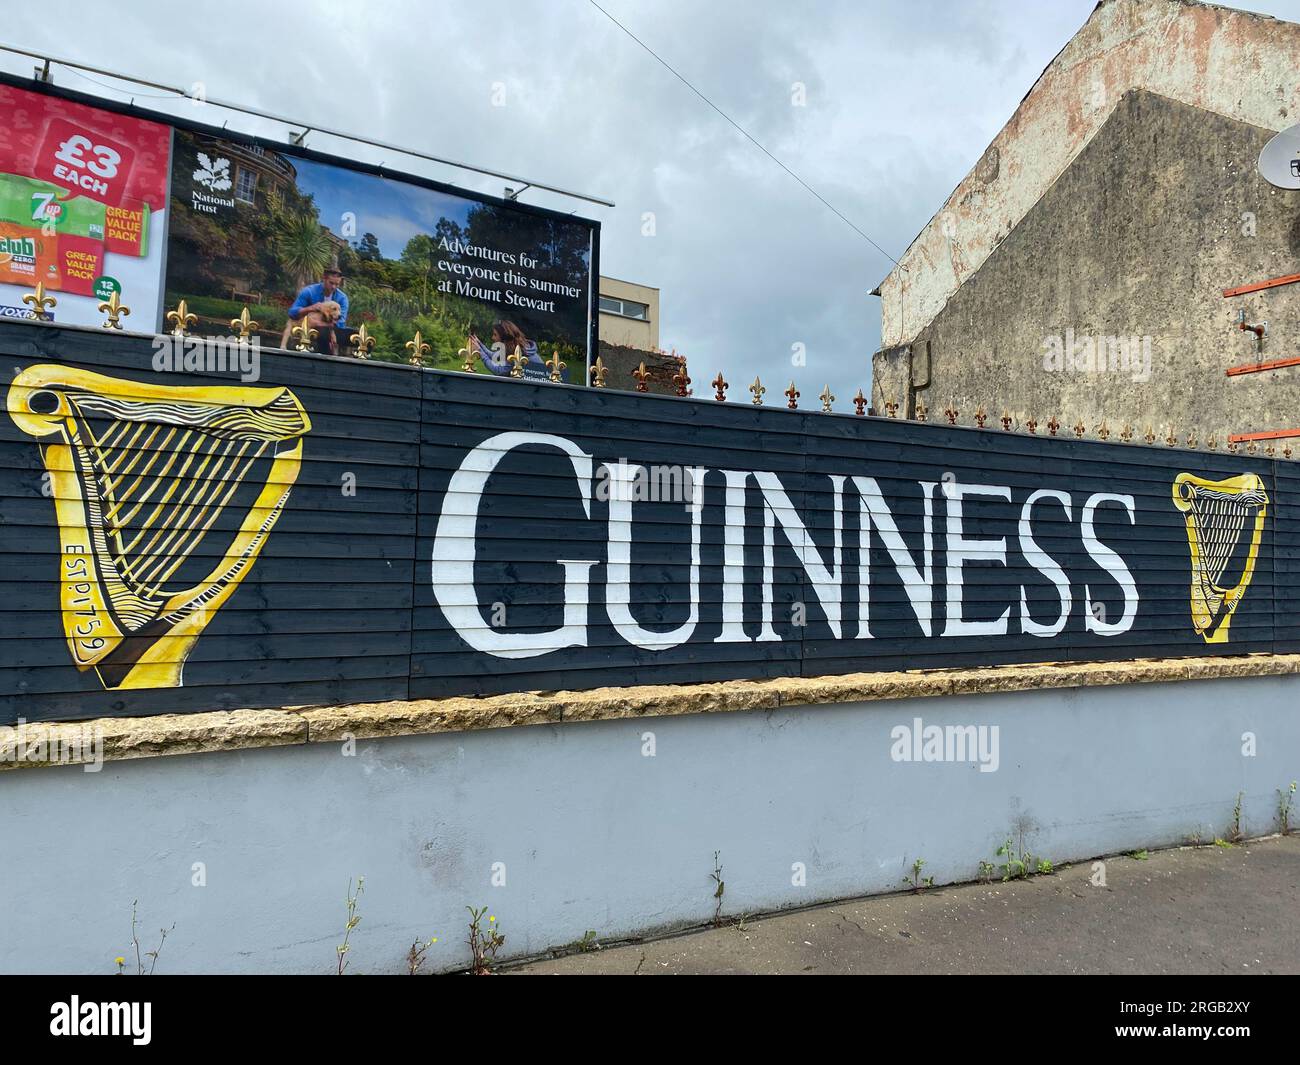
(1031, 424)
(860, 404)
(599, 371)
(980, 416)
(1233, 447)
(467, 356)
(1150, 436)
(642, 376)
(1079, 429)
(1212, 443)
(1053, 424)
(757, 390)
(1251, 447)
(418, 349)
(556, 366)
(891, 409)
(1126, 434)
(827, 399)
(1103, 430)
(40, 302)
(1270, 451)
(1170, 438)
(517, 361)
(682, 381)
(1286, 451)
(115, 309)
(950, 412)
(362, 341)
(181, 319)
(921, 410)
(305, 335)
(244, 324)
(792, 397)
(720, 387)
(1191, 439)
(1006, 421)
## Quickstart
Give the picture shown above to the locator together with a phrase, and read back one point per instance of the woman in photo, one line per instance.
(506, 337)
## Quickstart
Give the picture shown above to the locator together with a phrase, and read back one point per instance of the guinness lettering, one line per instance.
(824, 569)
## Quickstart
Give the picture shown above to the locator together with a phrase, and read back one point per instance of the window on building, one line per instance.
(625, 308)
(246, 186)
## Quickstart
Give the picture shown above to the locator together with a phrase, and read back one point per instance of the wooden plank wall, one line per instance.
(340, 606)
(324, 614)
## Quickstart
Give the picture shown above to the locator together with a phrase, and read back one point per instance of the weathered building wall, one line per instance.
(1234, 63)
(620, 361)
(1139, 237)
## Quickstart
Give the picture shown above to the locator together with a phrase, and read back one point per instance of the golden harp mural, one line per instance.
(1218, 514)
(141, 476)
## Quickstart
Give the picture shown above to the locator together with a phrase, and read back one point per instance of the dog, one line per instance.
(326, 318)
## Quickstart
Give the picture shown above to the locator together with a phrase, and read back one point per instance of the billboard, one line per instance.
(82, 197)
(258, 227)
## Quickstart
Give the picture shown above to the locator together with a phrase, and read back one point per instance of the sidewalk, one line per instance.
(1204, 910)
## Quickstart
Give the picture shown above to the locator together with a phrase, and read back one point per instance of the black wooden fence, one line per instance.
(346, 602)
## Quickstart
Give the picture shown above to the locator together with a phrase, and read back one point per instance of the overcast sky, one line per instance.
(902, 96)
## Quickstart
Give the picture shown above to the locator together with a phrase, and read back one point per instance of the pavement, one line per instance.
(1211, 909)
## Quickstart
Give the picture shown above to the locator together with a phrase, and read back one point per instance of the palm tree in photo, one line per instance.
(302, 247)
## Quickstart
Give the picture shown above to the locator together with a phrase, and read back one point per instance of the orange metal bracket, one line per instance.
(1259, 286)
(1259, 367)
(1272, 434)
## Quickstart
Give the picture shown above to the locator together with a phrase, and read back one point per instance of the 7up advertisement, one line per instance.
(82, 195)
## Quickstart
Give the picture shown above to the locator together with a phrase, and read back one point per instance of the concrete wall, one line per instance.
(1233, 63)
(621, 331)
(1139, 237)
(594, 834)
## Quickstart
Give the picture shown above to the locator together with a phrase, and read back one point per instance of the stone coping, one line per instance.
(37, 744)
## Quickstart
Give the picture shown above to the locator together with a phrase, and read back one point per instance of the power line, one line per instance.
(120, 91)
(672, 70)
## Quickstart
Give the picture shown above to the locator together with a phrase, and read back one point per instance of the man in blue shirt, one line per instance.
(311, 297)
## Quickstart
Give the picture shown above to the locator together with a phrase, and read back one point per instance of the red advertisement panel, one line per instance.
(88, 152)
(82, 192)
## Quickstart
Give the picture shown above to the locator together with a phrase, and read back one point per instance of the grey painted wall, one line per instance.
(597, 836)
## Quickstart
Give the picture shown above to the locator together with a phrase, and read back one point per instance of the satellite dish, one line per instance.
(1279, 162)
